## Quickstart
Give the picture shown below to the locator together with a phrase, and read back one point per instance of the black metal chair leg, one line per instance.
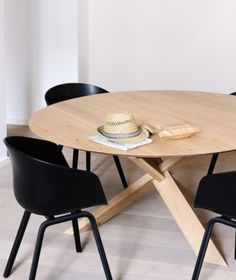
(120, 170)
(72, 216)
(212, 164)
(203, 248)
(49, 222)
(37, 250)
(75, 226)
(75, 158)
(99, 244)
(88, 161)
(17, 242)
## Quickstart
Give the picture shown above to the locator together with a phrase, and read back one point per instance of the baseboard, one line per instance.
(17, 121)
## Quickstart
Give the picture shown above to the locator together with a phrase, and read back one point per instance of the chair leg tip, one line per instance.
(79, 250)
(6, 275)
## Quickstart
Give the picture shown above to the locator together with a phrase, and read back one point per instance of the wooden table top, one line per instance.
(71, 122)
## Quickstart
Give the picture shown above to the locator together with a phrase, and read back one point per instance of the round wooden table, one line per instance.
(71, 122)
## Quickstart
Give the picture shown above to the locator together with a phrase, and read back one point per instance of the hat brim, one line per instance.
(135, 137)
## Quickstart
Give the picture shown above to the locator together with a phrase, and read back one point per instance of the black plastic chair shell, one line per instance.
(44, 185)
(216, 192)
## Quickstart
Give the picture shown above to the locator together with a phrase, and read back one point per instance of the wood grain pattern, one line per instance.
(70, 123)
(181, 210)
(186, 218)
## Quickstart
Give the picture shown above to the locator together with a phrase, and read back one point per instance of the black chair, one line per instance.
(67, 91)
(216, 193)
(215, 156)
(44, 185)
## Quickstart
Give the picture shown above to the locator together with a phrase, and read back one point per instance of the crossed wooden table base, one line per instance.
(157, 172)
(72, 122)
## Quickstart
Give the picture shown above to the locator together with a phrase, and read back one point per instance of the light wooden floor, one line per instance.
(142, 242)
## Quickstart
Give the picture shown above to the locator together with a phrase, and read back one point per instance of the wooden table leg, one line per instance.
(118, 202)
(179, 206)
(186, 218)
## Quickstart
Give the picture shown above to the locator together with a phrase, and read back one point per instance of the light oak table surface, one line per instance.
(71, 122)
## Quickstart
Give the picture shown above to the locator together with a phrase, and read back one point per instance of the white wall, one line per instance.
(54, 37)
(17, 49)
(119, 45)
(163, 44)
(2, 92)
(41, 51)
(83, 40)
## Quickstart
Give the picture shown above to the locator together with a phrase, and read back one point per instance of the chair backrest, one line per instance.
(44, 184)
(67, 91)
(216, 192)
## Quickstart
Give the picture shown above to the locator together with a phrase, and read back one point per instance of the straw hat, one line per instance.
(122, 127)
